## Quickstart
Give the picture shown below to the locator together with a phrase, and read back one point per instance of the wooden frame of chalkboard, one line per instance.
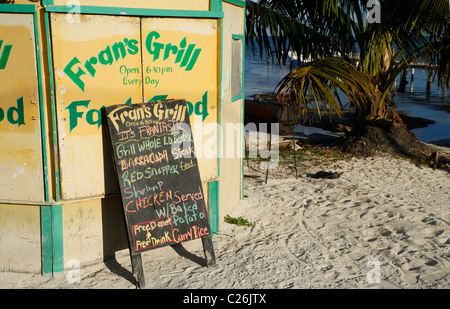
(159, 179)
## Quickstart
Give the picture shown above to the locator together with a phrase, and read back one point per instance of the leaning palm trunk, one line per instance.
(376, 126)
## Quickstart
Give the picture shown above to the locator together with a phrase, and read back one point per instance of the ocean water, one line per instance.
(261, 77)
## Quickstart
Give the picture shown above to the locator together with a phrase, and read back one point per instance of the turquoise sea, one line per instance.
(261, 77)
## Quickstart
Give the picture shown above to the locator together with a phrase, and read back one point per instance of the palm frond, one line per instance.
(314, 85)
(278, 29)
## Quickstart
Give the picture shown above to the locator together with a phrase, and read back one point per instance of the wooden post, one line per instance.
(401, 87)
(208, 250)
(436, 159)
(295, 156)
(270, 148)
(412, 79)
(394, 85)
(444, 88)
(137, 270)
(247, 147)
(429, 81)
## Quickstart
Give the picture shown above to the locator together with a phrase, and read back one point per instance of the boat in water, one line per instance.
(266, 108)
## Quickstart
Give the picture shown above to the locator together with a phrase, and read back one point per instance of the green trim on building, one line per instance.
(238, 97)
(51, 216)
(136, 11)
(214, 206)
(52, 240)
(236, 2)
(46, 241)
(216, 5)
(58, 242)
(238, 37)
(53, 108)
(17, 8)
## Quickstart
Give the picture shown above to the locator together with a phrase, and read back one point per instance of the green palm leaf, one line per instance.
(314, 85)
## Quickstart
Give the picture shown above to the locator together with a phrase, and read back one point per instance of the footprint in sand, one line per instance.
(431, 263)
(385, 232)
(371, 239)
(429, 221)
(356, 255)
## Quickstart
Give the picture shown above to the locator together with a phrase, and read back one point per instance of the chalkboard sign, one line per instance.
(158, 175)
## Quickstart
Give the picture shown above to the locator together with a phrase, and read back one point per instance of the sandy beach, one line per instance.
(384, 223)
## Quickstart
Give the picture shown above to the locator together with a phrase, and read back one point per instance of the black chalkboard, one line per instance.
(158, 174)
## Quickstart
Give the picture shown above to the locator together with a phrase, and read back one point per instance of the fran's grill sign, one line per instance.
(158, 175)
(185, 55)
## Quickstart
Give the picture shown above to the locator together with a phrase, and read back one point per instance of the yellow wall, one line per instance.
(93, 230)
(84, 149)
(21, 170)
(20, 241)
(198, 85)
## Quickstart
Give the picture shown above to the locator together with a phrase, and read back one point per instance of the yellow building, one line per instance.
(60, 63)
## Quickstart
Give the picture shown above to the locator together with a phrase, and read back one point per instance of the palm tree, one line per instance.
(331, 31)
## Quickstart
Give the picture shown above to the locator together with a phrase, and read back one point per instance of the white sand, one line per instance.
(308, 233)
